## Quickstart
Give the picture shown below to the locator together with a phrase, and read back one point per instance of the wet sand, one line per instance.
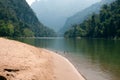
(19, 61)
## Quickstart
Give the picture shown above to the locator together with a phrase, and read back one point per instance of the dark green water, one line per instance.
(96, 59)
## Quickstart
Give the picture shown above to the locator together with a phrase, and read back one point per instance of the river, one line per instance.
(96, 59)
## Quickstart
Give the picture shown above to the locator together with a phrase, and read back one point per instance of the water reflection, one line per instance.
(97, 59)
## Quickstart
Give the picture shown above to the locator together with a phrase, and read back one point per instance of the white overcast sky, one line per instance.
(30, 1)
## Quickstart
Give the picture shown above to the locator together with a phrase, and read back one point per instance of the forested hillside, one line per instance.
(84, 14)
(106, 24)
(17, 19)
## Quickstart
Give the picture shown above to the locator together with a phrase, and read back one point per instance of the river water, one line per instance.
(96, 59)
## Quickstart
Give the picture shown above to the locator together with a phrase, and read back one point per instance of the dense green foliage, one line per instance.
(18, 20)
(106, 24)
(80, 16)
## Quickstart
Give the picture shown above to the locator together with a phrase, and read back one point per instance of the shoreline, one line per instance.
(62, 54)
(80, 76)
(26, 62)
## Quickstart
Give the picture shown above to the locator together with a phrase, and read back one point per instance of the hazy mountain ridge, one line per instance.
(82, 15)
(53, 13)
(106, 24)
(17, 16)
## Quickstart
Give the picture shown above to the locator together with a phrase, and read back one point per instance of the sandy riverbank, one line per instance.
(19, 61)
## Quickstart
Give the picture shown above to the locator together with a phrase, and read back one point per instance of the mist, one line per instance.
(53, 13)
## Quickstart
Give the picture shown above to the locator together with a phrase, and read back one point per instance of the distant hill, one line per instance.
(106, 24)
(17, 19)
(53, 13)
(82, 15)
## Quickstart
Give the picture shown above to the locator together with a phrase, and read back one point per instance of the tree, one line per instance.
(6, 29)
(106, 24)
(28, 33)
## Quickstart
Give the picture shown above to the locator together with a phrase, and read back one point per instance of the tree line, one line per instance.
(18, 20)
(106, 24)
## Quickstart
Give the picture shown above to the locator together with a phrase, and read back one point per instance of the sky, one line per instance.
(30, 1)
(54, 13)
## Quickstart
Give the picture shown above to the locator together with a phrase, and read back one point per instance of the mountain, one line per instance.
(82, 15)
(17, 19)
(105, 24)
(53, 13)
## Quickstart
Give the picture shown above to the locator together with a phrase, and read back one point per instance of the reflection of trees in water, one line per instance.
(106, 54)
